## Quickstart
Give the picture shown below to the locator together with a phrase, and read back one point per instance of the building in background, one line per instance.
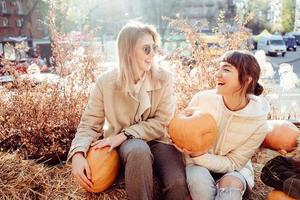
(22, 21)
(111, 15)
(206, 10)
(21, 18)
(297, 16)
(274, 13)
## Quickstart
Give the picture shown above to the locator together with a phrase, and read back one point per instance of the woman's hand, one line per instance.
(113, 142)
(194, 154)
(81, 170)
(188, 111)
(185, 151)
(171, 141)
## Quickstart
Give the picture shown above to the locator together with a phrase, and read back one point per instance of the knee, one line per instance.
(139, 151)
(231, 182)
(201, 187)
(192, 179)
(200, 183)
(196, 175)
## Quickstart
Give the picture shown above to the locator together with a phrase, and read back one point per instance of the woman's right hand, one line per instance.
(81, 170)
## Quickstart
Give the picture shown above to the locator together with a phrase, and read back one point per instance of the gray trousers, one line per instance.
(203, 184)
(140, 158)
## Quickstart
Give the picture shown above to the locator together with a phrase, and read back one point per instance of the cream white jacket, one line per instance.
(240, 133)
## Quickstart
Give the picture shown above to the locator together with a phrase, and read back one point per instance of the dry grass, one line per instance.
(40, 119)
(26, 179)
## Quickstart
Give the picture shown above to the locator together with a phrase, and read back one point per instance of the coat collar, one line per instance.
(150, 83)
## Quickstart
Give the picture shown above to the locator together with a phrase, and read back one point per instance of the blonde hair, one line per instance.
(126, 43)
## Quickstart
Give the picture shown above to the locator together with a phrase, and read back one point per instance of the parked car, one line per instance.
(272, 45)
(290, 42)
(296, 35)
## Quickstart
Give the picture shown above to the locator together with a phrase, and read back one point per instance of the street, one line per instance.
(291, 57)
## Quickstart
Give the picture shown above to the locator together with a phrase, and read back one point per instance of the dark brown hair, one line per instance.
(247, 66)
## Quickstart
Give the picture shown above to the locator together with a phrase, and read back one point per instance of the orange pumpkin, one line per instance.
(104, 167)
(193, 130)
(278, 195)
(282, 135)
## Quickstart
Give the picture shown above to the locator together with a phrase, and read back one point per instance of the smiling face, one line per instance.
(145, 50)
(227, 80)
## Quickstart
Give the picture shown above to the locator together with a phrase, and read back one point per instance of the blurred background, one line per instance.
(58, 36)
(28, 20)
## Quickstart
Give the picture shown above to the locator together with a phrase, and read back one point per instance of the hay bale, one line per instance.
(25, 179)
(20, 178)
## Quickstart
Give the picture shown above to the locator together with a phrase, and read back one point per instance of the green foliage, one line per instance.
(257, 9)
(288, 15)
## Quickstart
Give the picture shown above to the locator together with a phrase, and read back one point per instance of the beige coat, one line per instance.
(240, 133)
(144, 115)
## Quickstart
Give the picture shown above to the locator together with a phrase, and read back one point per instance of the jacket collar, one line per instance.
(152, 81)
(258, 107)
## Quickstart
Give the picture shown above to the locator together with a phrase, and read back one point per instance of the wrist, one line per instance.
(193, 155)
(123, 136)
(127, 135)
(77, 154)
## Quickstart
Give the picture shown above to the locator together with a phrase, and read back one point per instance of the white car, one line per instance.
(272, 45)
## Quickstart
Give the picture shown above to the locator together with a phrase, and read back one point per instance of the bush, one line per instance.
(40, 119)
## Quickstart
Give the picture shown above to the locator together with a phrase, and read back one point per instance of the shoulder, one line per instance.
(109, 77)
(111, 73)
(206, 94)
(258, 99)
(205, 98)
(162, 74)
(259, 105)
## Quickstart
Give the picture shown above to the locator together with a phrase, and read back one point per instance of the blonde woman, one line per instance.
(136, 99)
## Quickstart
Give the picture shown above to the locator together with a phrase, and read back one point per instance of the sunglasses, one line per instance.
(147, 49)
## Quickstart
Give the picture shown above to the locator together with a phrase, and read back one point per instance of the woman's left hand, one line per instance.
(194, 154)
(113, 142)
(185, 151)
